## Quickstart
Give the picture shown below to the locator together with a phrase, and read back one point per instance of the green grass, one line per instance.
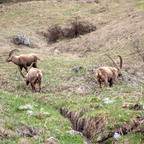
(54, 95)
(61, 86)
(133, 138)
(52, 125)
(139, 5)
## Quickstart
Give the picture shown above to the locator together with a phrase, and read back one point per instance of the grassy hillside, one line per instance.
(76, 96)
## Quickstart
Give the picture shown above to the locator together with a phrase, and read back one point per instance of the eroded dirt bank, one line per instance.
(95, 127)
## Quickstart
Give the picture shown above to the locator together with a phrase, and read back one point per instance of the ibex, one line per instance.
(109, 74)
(23, 60)
(33, 76)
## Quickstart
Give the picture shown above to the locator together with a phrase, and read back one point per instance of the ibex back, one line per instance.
(33, 76)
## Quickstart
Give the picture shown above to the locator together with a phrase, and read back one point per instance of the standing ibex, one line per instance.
(23, 60)
(109, 74)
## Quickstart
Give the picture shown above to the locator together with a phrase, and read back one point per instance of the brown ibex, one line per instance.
(23, 60)
(33, 76)
(109, 74)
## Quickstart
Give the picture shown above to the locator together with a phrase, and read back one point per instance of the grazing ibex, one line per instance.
(34, 76)
(23, 60)
(109, 74)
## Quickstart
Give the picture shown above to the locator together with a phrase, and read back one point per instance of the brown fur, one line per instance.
(33, 76)
(108, 74)
(23, 61)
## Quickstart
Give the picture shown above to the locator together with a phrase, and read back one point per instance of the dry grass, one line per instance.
(119, 24)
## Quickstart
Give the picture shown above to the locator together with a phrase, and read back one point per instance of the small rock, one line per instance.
(41, 115)
(21, 40)
(42, 109)
(85, 142)
(75, 133)
(26, 107)
(57, 52)
(52, 140)
(142, 104)
(30, 112)
(79, 90)
(131, 105)
(46, 114)
(99, 138)
(117, 136)
(108, 101)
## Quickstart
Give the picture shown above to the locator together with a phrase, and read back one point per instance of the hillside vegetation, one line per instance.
(73, 100)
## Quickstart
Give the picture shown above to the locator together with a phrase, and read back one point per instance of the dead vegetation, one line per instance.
(96, 126)
(140, 128)
(111, 34)
(88, 126)
(68, 30)
(4, 132)
(23, 129)
(26, 131)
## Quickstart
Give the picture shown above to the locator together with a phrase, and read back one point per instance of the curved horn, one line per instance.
(31, 66)
(113, 62)
(121, 61)
(13, 52)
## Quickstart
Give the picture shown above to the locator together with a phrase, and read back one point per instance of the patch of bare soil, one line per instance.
(26, 131)
(96, 126)
(4, 132)
(68, 30)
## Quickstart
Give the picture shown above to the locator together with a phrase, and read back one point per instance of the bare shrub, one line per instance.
(68, 30)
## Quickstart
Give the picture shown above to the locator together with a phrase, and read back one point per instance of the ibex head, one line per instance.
(9, 59)
(116, 66)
